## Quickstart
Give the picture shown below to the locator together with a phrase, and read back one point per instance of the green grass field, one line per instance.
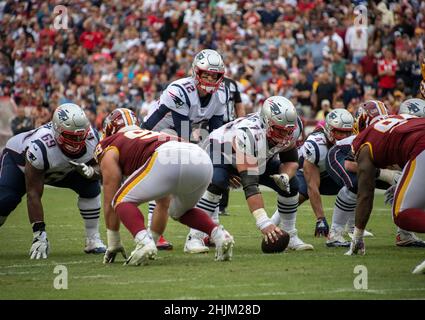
(320, 274)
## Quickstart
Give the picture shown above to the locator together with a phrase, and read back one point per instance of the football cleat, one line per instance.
(224, 212)
(336, 240)
(365, 233)
(409, 239)
(195, 244)
(95, 245)
(419, 268)
(163, 244)
(142, 254)
(295, 243)
(223, 244)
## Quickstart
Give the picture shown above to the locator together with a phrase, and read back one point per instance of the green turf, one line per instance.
(320, 274)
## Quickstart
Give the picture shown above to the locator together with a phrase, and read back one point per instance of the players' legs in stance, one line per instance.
(162, 243)
(165, 178)
(12, 185)
(89, 205)
(409, 201)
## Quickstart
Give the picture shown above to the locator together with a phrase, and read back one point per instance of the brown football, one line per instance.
(277, 246)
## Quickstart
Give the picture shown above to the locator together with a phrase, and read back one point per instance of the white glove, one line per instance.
(111, 253)
(356, 247)
(40, 245)
(282, 181)
(83, 169)
(114, 246)
(389, 195)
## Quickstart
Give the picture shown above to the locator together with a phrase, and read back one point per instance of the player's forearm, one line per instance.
(35, 208)
(112, 221)
(316, 202)
(240, 110)
(290, 168)
(255, 202)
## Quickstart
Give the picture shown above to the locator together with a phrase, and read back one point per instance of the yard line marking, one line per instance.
(53, 263)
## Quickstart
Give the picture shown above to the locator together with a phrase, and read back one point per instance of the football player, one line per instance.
(60, 154)
(414, 106)
(383, 142)
(158, 167)
(187, 102)
(257, 149)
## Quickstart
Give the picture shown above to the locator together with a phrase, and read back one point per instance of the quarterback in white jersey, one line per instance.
(59, 154)
(258, 149)
(200, 98)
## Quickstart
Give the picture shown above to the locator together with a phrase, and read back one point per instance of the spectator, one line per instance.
(21, 123)
(387, 68)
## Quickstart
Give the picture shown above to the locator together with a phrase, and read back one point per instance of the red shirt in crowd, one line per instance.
(91, 39)
(387, 81)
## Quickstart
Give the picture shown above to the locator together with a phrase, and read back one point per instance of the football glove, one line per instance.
(322, 228)
(40, 245)
(83, 169)
(389, 195)
(111, 253)
(357, 247)
(282, 181)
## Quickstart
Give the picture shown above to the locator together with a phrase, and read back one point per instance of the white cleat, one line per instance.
(95, 245)
(195, 243)
(142, 254)
(223, 244)
(419, 268)
(336, 240)
(366, 234)
(295, 243)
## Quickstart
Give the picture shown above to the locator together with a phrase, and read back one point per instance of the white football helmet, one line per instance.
(339, 125)
(280, 118)
(70, 126)
(208, 61)
(414, 107)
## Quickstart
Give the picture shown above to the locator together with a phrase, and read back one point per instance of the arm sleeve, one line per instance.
(181, 122)
(215, 122)
(36, 155)
(156, 117)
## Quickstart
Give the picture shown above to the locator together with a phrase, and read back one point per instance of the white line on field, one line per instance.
(53, 263)
(285, 293)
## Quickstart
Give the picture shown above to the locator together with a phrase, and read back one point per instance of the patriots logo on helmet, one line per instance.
(413, 107)
(62, 115)
(275, 108)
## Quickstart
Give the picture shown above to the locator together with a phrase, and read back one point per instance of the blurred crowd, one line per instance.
(123, 53)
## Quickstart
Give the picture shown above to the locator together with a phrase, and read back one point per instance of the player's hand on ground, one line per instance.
(282, 181)
(271, 233)
(40, 245)
(357, 247)
(83, 169)
(322, 228)
(111, 254)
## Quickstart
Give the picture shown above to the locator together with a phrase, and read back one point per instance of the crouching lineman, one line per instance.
(260, 149)
(383, 142)
(56, 154)
(173, 173)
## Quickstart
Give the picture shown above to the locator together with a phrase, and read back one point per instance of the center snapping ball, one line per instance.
(277, 246)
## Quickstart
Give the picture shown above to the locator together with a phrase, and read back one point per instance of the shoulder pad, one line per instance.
(36, 154)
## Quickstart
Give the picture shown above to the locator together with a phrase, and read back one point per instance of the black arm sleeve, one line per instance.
(156, 117)
(289, 155)
(215, 122)
(182, 125)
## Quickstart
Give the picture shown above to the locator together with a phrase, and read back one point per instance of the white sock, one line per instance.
(143, 237)
(152, 205)
(287, 208)
(276, 218)
(344, 207)
(90, 211)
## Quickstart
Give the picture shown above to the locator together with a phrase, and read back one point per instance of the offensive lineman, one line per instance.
(260, 149)
(57, 154)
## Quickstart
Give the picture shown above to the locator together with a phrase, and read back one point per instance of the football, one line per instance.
(277, 246)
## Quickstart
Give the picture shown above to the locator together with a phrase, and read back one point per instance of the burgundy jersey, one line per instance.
(394, 140)
(135, 147)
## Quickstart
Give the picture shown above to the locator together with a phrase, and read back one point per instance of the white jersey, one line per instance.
(249, 134)
(315, 150)
(181, 96)
(39, 147)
